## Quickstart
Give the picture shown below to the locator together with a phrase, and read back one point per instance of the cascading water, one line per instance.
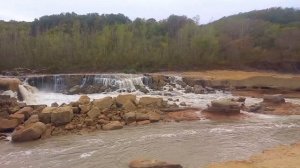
(62, 83)
(27, 93)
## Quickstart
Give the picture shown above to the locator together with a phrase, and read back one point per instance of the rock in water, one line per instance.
(152, 164)
(7, 125)
(31, 132)
(274, 99)
(198, 89)
(74, 90)
(113, 125)
(224, 106)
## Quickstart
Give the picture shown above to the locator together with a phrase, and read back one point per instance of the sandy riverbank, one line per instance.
(285, 156)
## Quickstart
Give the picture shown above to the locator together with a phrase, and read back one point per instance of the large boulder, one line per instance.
(7, 125)
(276, 99)
(45, 115)
(127, 101)
(62, 115)
(10, 84)
(151, 101)
(84, 100)
(104, 103)
(152, 164)
(113, 125)
(31, 132)
(224, 106)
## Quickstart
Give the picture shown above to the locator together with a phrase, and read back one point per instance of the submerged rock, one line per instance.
(152, 164)
(274, 99)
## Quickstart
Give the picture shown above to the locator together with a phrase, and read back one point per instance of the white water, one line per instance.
(32, 96)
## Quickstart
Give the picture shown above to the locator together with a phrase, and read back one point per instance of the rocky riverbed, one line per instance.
(132, 101)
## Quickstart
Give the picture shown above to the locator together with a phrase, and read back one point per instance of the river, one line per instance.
(192, 144)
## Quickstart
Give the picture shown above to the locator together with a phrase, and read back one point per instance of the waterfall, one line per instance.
(27, 92)
(63, 82)
(119, 81)
(59, 83)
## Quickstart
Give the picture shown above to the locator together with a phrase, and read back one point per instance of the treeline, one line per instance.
(77, 43)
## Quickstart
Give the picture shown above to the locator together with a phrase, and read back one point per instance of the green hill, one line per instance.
(264, 39)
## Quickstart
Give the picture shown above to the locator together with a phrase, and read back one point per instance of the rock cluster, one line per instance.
(108, 113)
(21, 119)
(275, 105)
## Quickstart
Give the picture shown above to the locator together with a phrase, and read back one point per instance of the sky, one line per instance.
(208, 10)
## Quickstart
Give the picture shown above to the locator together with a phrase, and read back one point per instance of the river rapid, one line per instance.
(191, 144)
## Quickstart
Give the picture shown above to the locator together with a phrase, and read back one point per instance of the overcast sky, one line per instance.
(208, 10)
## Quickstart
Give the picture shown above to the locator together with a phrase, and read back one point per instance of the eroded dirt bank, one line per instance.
(244, 83)
(287, 156)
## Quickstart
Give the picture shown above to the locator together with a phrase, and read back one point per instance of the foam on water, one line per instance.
(88, 154)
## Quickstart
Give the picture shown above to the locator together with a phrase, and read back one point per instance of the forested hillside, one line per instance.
(265, 39)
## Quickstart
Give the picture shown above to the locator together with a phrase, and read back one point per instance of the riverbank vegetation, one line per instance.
(265, 39)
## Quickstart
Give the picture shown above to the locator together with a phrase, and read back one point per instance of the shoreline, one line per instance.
(283, 156)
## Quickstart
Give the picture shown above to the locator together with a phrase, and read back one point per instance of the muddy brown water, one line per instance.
(192, 144)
